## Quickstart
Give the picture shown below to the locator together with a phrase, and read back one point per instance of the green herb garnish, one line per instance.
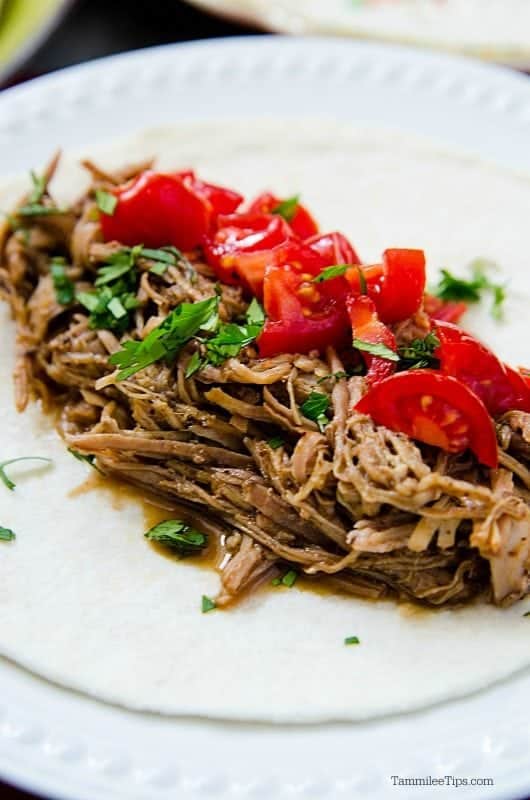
(6, 534)
(334, 376)
(287, 208)
(452, 287)
(419, 354)
(376, 349)
(352, 640)
(228, 340)
(289, 579)
(276, 442)
(39, 187)
(329, 273)
(4, 477)
(88, 459)
(37, 210)
(315, 408)
(64, 288)
(207, 604)
(178, 536)
(527, 614)
(165, 341)
(106, 202)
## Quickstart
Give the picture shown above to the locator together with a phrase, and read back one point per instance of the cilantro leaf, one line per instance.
(106, 202)
(315, 408)
(39, 188)
(88, 459)
(419, 354)
(6, 534)
(332, 272)
(165, 341)
(207, 604)
(352, 640)
(230, 338)
(8, 483)
(276, 442)
(287, 208)
(64, 288)
(452, 287)
(376, 349)
(179, 536)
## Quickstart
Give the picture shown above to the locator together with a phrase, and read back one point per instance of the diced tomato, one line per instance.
(367, 327)
(436, 409)
(444, 310)
(525, 375)
(301, 221)
(302, 315)
(157, 210)
(334, 248)
(222, 201)
(462, 356)
(240, 249)
(396, 286)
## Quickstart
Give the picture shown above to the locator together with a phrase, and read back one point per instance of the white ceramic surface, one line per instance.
(68, 746)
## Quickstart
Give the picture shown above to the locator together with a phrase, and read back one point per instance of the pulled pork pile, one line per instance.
(364, 508)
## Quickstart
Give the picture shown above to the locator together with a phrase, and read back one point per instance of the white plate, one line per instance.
(71, 747)
(496, 30)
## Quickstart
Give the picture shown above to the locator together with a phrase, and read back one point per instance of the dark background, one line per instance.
(95, 28)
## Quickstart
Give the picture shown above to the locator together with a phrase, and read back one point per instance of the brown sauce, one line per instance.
(156, 510)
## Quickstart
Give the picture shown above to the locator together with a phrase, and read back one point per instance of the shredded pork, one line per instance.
(365, 509)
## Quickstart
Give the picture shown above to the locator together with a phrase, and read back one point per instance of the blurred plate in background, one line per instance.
(24, 26)
(497, 30)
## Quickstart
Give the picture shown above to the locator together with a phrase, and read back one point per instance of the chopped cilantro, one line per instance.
(315, 408)
(6, 534)
(419, 354)
(332, 272)
(287, 208)
(276, 442)
(88, 459)
(452, 287)
(352, 640)
(106, 202)
(207, 604)
(178, 536)
(376, 349)
(165, 341)
(4, 477)
(64, 288)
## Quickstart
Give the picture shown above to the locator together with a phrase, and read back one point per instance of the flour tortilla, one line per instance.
(495, 29)
(87, 603)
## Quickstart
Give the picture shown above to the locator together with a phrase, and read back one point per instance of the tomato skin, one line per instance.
(403, 285)
(367, 326)
(334, 248)
(302, 316)
(462, 356)
(302, 335)
(240, 249)
(157, 210)
(221, 200)
(302, 223)
(436, 409)
(525, 375)
(396, 286)
(444, 310)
